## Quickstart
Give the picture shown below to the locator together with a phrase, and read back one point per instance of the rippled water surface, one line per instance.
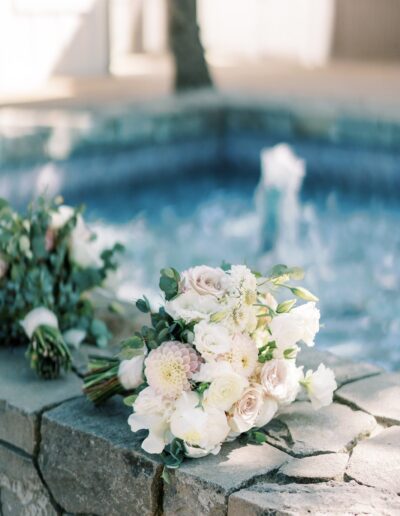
(348, 246)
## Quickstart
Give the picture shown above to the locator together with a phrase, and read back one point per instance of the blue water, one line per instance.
(348, 245)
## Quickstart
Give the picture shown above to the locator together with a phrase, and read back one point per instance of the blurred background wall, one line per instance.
(40, 39)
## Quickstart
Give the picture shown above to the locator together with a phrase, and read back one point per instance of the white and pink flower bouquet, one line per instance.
(217, 362)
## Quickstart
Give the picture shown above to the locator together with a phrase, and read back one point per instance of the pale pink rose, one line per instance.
(50, 239)
(254, 409)
(204, 280)
(280, 379)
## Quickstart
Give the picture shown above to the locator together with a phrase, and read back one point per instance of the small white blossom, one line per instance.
(320, 386)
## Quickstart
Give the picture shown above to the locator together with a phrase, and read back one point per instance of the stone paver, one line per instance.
(23, 397)
(201, 487)
(302, 431)
(318, 499)
(92, 464)
(376, 462)
(378, 396)
(345, 370)
(22, 491)
(328, 466)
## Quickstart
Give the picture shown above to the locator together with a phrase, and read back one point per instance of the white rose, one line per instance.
(130, 372)
(199, 428)
(280, 380)
(209, 371)
(300, 324)
(74, 337)
(189, 306)
(252, 410)
(197, 453)
(204, 280)
(152, 412)
(40, 316)
(224, 391)
(3, 267)
(320, 386)
(211, 340)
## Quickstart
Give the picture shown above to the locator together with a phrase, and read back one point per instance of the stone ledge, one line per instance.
(301, 431)
(378, 396)
(23, 398)
(300, 500)
(202, 487)
(22, 490)
(91, 464)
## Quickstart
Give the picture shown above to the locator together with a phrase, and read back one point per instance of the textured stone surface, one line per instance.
(301, 430)
(378, 395)
(329, 466)
(92, 464)
(345, 370)
(201, 487)
(376, 461)
(23, 397)
(305, 499)
(22, 491)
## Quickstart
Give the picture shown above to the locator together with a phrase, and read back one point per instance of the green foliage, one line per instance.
(266, 352)
(173, 454)
(169, 282)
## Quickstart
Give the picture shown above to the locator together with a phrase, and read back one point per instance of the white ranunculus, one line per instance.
(60, 217)
(196, 426)
(190, 306)
(280, 379)
(130, 372)
(211, 340)
(254, 409)
(40, 316)
(300, 324)
(3, 267)
(152, 413)
(204, 280)
(224, 391)
(320, 386)
(74, 337)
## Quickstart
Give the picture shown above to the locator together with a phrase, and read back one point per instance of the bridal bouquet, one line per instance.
(218, 361)
(48, 264)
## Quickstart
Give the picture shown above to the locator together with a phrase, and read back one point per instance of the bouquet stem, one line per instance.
(48, 353)
(101, 381)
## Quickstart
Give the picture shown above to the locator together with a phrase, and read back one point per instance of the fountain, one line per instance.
(277, 198)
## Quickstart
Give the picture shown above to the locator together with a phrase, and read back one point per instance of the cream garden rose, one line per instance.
(212, 340)
(224, 391)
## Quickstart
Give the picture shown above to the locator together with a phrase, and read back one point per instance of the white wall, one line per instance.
(40, 38)
(292, 29)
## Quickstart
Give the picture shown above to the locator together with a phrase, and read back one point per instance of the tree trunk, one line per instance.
(191, 69)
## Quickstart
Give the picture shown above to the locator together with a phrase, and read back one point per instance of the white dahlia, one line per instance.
(169, 368)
